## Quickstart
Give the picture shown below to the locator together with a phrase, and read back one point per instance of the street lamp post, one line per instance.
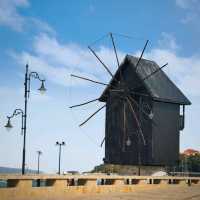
(60, 144)
(38, 163)
(42, 89)
(16, 112)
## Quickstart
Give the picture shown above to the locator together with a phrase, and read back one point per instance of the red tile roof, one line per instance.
(189, 152)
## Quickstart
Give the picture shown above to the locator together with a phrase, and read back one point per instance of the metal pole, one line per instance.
(38, 171)
(182, 166)
(25, 116)
(59, 158)
(24, 113)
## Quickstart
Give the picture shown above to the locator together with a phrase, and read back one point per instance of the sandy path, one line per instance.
(166, 193)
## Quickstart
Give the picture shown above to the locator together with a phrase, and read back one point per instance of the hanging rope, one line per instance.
(129, 37)
(119, 35)
(98, 40)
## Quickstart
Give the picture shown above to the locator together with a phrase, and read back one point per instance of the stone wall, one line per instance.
(30, 187)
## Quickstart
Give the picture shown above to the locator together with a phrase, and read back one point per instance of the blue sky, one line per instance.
(52, 36)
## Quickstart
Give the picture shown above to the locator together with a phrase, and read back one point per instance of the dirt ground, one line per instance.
(166, 193)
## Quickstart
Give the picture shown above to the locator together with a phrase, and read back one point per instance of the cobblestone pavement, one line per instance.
(163, 193)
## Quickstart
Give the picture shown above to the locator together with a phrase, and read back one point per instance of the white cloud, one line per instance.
(187, 4)
(191, 8)
(40, 25)
(9, 16)
(189, 17)
(72, 55)
(40, 65)
(57, 61)
(168, 41)
(185, 71)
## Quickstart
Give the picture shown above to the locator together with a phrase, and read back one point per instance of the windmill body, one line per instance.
(144, 116)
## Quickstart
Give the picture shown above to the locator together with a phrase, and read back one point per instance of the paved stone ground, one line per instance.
(162, 193)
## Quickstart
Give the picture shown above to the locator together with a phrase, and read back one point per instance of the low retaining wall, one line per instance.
(32, 187)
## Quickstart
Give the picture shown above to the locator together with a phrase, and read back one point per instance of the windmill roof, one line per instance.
(159, 86)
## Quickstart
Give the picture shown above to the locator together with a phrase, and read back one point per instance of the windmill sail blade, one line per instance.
(87, 79)
(141, 55)
(136, 103)
(148, 76)
(82, 104)
(107, 69)
(137, 121)
(114, 47)
(102, 142)
(145, 113)
(92, 115)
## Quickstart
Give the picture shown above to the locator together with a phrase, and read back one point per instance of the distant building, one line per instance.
(71, 172)
(190, 152)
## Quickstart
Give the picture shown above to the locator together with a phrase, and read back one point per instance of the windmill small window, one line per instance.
(140, 98)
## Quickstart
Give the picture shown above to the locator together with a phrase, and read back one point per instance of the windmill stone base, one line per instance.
(128, 169)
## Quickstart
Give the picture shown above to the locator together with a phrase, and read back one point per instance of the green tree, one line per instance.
(192, 162)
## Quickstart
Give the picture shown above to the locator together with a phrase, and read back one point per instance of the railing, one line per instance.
(190, 174)
(54, 186)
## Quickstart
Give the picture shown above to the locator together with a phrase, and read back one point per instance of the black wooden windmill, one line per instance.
(143, 115)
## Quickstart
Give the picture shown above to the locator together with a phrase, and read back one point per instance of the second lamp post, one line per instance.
(42, 89)
(38, 161)
(60, 144)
